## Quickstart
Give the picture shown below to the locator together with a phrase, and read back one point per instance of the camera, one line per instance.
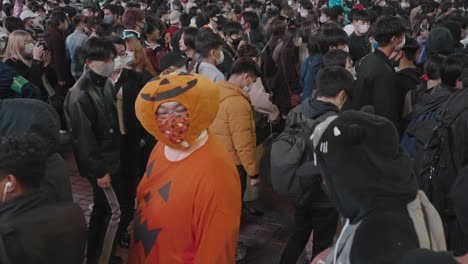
(44, 45)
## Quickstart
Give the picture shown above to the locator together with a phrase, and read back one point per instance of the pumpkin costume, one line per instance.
(189, 209)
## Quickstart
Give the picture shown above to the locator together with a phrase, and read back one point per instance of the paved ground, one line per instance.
(265, 236)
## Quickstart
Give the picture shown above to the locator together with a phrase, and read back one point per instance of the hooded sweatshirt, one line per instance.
(188, 203)
(371, 181)
(18, 116)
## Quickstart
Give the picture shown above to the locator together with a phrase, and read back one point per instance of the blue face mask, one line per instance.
(108, 19)
(375, 45)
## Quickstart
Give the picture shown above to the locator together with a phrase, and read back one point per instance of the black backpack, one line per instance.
(294, 173)
(438, 170)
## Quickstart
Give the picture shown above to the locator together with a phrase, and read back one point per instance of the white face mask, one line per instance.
(404, 5)
(130, 58)
(401, 45)
(107, 69)
(304, 13)
(29, 48)
(220, 59)
(346, 48)
(323, 19)
(118, 63)
(290, 3)
(363, 28)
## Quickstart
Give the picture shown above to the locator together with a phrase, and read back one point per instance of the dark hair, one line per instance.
(13, 23)
(432, 66)
(93, 22)
(455, 30)
(410, 54)
(205, 41)
(185, 20)
(387, 27)
(332, 80)
(251, 18)
(104, 30)
(231, 28)
(361, 15)
(24, 157)
(313, 46)
(98, 49)
(464, 77)
(211, 11)
(335, 12)
(112, 8)
(79, 19)
(159, 25)
(248, 50)
(307, 5)
(91, 8)
(331, 36)
(190, 35)
(336, 57)
(245, 65)
(451, 70)
(117, 41)
(57, 17)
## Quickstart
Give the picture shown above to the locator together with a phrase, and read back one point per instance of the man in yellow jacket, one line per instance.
(234, 124)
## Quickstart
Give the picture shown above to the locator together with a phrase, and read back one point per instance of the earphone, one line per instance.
(7, 185)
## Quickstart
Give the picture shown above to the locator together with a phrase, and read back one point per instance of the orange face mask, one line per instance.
(174, 127)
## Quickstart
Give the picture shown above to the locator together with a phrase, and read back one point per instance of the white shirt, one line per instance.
(210, 71)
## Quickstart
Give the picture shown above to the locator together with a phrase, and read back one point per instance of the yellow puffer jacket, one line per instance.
(235, 127)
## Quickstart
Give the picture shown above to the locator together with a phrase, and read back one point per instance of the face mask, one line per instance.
(304, 14)
(382, 4)
(323, 19)
(346, 48)
(119, 63)
(220, 59)
(143, 7)
(108, 19)
(37, 22)
(401, 45)
(363, 28)
(247, 88)
(375, 45)
(290, 3)
(107, 69)
(29, 48)
(404, 5)
(174, 127)
(130, 58)
(235, 42)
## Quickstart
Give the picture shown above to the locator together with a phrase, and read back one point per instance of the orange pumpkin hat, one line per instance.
(196, 92)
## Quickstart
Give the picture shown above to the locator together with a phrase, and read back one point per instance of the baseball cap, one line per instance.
(174, 17)
(27, 14)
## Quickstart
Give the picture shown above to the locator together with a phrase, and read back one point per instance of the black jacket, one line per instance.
(92, 119)
(358, 47)
(32, 74)
(256, 38)
(376, 86)
(33, 232)
(39, 118)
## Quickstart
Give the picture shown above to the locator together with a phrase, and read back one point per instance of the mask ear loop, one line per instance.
(7, 185)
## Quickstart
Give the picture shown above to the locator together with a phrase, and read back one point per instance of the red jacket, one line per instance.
(154, 55)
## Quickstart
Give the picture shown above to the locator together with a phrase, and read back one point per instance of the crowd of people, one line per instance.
(353, 112)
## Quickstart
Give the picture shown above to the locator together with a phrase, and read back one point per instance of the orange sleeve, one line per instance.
(216, 221)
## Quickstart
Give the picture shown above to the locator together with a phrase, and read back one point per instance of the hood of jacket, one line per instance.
(411, 73)
(364, 168)
(196, 92)
(227, 89)
(19, 116)
(313, 108)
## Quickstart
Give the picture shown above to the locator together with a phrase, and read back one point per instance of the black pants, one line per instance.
(105, 221)
(243, 180)
(322, 221)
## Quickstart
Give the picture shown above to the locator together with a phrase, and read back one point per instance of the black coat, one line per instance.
(376, 86)
(358, 47)
(92, 118)
(32, 74)
(34, 232)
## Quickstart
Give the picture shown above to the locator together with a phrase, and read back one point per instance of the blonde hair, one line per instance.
(141, 62)
(15, 47)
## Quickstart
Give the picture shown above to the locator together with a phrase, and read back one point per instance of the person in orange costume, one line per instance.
(189, 198)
